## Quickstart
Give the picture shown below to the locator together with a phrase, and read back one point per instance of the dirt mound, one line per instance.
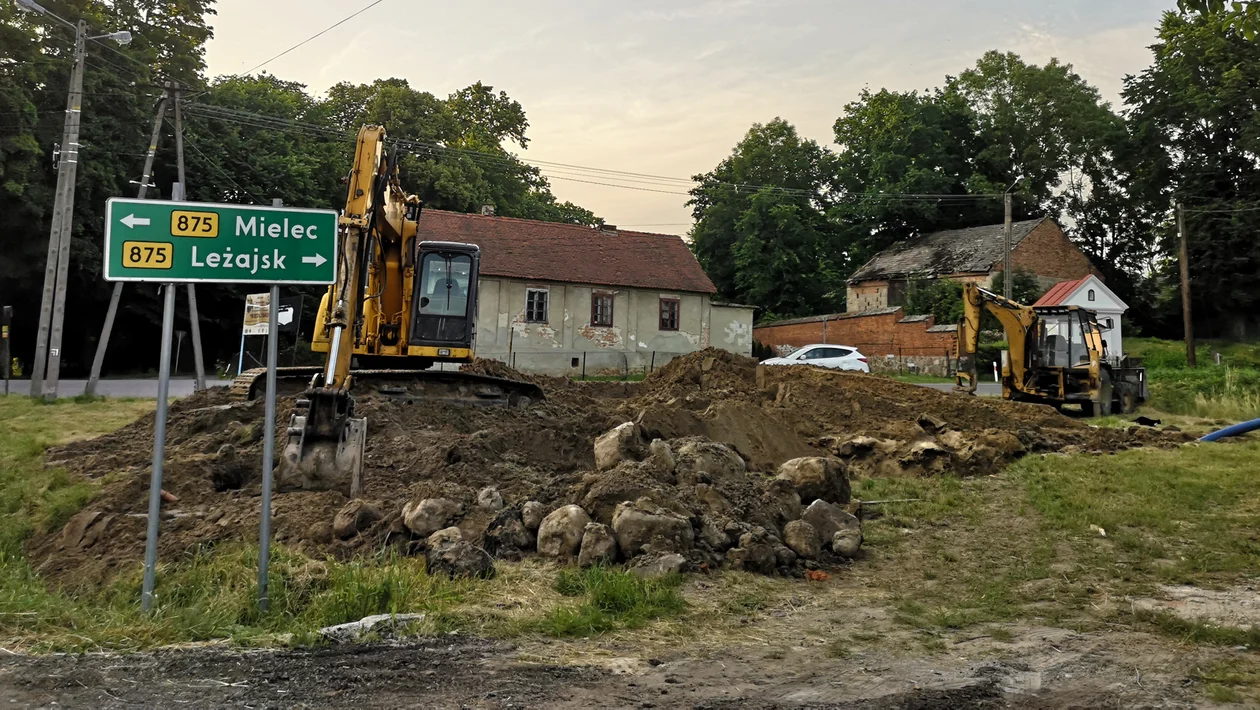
(766, 415)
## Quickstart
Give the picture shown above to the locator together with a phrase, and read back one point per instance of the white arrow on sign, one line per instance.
(317, 260)
(131, 221)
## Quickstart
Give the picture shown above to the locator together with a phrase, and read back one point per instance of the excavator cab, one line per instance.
(444, 300)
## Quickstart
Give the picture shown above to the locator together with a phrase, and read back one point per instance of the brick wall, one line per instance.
(866, 296)
(876, 334)
(1048, 254)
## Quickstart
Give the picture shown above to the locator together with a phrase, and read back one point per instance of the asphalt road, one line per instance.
(984, 389)
(115, 388)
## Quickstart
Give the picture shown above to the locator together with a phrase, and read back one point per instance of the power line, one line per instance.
(1223, 211)
(219, 168)
(317, 34)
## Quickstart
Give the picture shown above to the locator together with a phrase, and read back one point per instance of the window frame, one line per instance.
(596, 322)
(677, 313)
(546, 309)
(1090, 296)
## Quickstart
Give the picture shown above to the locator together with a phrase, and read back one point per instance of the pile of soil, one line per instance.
(544, 453)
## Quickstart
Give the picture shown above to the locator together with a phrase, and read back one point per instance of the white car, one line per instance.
(838, 357)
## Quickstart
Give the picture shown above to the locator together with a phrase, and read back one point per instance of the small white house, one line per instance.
(1090, 292)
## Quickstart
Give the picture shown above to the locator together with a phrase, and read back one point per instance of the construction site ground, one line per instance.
(1089, 566)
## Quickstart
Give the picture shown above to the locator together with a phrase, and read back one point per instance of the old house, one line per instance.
(974, 254)
(1090, 292)
(562, 298)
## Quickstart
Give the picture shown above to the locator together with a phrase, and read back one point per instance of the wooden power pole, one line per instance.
(1184, 259)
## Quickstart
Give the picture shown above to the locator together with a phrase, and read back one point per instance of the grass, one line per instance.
(922, 379)
(610, 600)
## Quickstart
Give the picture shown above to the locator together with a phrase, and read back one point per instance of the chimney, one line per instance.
(487, 210)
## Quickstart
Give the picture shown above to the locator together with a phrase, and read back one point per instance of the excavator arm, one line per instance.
(1017, 321)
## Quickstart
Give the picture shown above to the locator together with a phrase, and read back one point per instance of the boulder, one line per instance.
(622, 443)
(598, 545)
(817, 478)
(506, 536)
(847, 542)
(490, 499)
(425, 517)
(319, 532)
(660, 461)
(713, 535)
(781, 502)
(640, 524)
(931, 424)
(828, 520)
(702, 461)
(755, 553)
(355, 517)
(446, 552)
(802, 538)
(532, 514)
(927, 458)
(657, 565)
(560, 533)
(378, 625)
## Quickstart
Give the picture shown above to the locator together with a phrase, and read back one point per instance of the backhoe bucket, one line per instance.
(323, 464)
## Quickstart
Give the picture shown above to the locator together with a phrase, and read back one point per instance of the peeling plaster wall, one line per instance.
(634, 343)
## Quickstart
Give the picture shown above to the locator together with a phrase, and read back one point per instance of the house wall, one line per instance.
(866, 296)
(1048, 254)
(633, 343)
(877, 334)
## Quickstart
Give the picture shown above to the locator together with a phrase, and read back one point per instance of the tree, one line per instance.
(1193, 115)
(940, 298)
(1243, 15)
(1025, 289)
(762, 232)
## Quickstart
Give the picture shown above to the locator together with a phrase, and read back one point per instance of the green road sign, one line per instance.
(152, 240)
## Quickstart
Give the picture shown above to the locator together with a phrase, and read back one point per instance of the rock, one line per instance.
(712, 499)
(353, 518)
(930, 424)
(827, 519)
(532, 514)
(640, 523)
(657, 565)
(713, 535)
(622, 443)
(847, 542)
(856, 446)
(377, 624)
(660, 457)
(425, 517)
(1004, 441)
(560, 533)
(446, 552)
(490, 498)
(781, 502)
(320, 532)
(74, 534)
(598, 545)
(756, 553)
(817, 477)
(506, 536)
(927, 458)
(802, 538)
(702, 461)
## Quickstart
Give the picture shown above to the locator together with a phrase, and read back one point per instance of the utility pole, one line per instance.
(99, 360)
(52, 308)
(199, 366)
(1008, 281)
(1184, 259)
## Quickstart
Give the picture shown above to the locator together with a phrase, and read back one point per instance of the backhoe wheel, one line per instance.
(1126, 398)
(1102, 407)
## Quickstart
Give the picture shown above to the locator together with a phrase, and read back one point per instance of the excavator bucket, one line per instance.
(325, 445)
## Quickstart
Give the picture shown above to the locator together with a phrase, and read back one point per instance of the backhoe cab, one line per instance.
(1055, 355)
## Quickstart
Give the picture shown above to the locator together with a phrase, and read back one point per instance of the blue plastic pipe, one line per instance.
(1234, 430)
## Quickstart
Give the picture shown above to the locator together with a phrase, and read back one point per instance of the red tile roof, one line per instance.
(551, 251)
(1060, 291)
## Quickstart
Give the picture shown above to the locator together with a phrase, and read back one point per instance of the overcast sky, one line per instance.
(668, 88)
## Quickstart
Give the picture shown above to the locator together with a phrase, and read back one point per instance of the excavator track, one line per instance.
(406, 385)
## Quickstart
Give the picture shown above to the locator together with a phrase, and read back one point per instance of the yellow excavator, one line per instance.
(1055, 355)
(398, 306)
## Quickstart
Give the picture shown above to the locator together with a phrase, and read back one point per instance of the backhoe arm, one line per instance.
(1016, 320)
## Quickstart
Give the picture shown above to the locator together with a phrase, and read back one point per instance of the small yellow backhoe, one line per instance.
(1055, 355)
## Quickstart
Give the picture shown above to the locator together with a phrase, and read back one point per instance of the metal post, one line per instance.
(1183, 253)
(159, 449)
(199, 365)
(269, 446)
(653, 362)
(584, 366)
(1008, 279)
(6, 319)
(52, 310)
(99, 360)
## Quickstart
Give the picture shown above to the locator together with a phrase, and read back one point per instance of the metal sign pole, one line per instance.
(159, 448)
(269, 445)
(6, 318)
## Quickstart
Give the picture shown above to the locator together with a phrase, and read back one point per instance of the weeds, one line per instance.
(613, 599)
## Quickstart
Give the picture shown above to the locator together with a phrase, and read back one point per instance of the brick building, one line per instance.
(973, 254)
(890, 339)
(562, 298)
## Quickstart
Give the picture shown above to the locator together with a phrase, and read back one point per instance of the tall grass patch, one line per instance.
(610, 599)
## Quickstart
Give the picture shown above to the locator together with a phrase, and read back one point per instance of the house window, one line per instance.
(1090, 295)
(602, 309)
(536, 305)
(669, 313)
(1107, 323)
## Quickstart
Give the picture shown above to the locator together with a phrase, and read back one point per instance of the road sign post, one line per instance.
(195, 242)
(6, 318)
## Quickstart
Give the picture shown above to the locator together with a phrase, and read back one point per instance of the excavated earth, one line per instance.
(872, 426)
